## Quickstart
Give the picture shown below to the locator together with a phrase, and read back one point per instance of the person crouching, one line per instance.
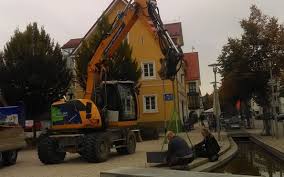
(209, 147)
(179, 153)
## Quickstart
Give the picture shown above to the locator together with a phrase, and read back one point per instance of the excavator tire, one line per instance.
(96, 148)
(130, 144)
(48, 151)
(10, 157)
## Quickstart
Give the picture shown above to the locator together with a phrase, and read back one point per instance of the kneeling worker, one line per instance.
(179, 152)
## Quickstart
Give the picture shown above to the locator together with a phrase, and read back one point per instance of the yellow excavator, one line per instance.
(106, 116)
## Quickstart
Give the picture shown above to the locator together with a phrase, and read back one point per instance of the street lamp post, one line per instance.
(216, 99)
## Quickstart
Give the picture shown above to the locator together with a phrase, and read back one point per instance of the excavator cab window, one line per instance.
(107, 96)
(128, 102)
(118, 97)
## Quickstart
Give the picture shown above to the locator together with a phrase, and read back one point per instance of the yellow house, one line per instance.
(156, 102)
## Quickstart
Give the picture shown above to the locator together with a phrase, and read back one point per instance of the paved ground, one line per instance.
(269, 140)
(28, 164)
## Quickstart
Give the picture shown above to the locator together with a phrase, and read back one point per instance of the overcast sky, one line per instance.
(206, 23)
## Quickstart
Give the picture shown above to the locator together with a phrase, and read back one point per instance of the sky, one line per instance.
(206, 24)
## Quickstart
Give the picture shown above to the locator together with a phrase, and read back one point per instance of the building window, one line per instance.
(150, 103)
(148, 70)
(192, 87)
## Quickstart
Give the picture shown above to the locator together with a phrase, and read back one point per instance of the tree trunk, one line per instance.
(266, 122)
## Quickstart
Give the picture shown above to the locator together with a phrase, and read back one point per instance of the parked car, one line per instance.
(233, 122)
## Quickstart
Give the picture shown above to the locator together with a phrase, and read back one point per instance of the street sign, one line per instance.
(168, 97)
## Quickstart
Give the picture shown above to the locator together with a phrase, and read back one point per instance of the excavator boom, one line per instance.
(139, 9)
(120, 27)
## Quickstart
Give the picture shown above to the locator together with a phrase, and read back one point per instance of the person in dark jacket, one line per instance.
(179, 153)
(209, 147)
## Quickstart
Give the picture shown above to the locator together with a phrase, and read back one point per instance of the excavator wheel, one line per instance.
(48, 151)
(96, 148)
(130, 145)
(9, 157)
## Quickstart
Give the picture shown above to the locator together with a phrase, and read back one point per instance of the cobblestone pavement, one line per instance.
(28, 164)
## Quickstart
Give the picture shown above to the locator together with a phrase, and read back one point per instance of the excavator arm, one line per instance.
(120, 27)
(173, 55)
(139, 9)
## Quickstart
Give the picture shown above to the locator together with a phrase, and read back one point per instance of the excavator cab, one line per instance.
(116, 101)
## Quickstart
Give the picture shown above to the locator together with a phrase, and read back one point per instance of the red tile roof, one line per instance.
(72, 43)
(192, 66)
(175, 31)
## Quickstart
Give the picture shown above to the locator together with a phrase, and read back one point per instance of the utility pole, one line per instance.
(273, 105)
(216, 108)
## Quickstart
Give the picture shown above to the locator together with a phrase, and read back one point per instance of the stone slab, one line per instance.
(151, 172)
(156, 157)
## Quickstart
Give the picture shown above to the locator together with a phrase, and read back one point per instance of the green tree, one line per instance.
(121, 67)
(124, 67)
(33, 70)
(207, 101)
(245, 60)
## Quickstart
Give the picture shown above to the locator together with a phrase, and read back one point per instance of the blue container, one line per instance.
(12, 115)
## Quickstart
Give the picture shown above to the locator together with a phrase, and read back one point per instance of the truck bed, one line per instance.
(11, 138)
